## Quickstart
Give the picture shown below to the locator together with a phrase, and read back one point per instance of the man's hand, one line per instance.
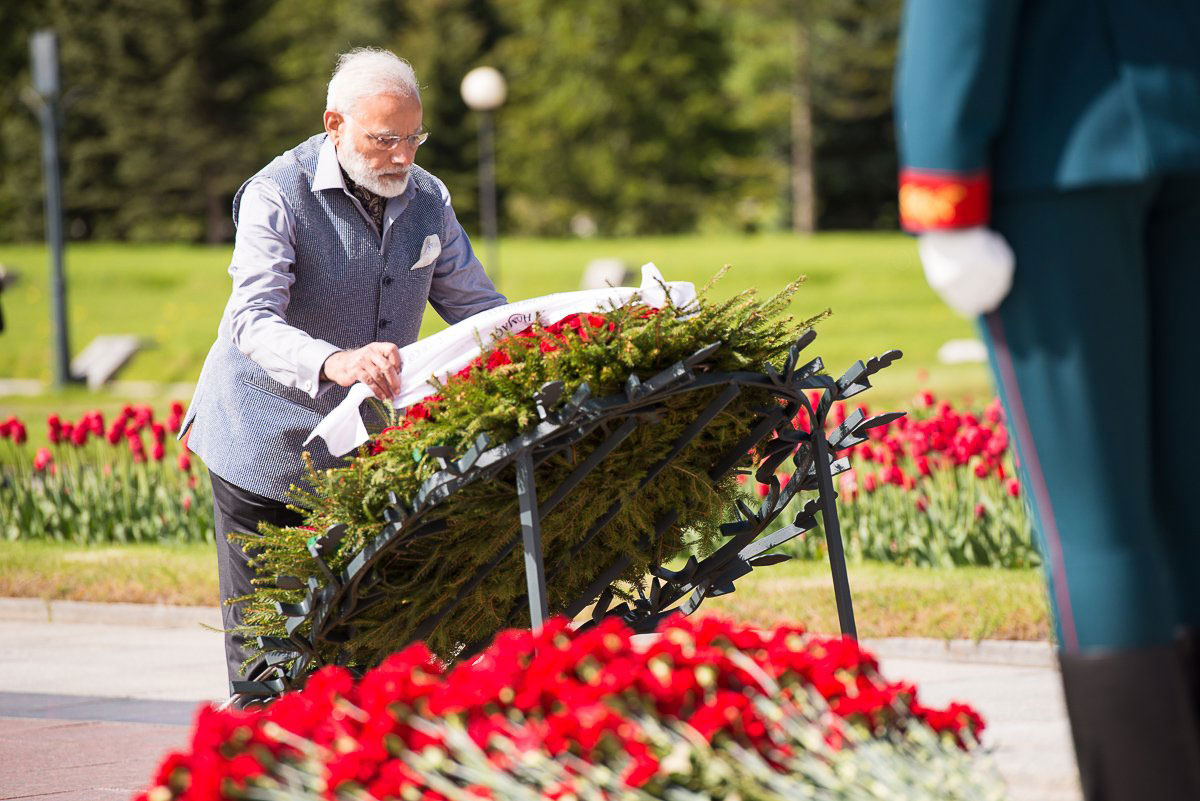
(377, 365)
(970, 268)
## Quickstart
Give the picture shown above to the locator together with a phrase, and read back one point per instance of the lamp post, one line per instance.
(483, 89)
(43, 51)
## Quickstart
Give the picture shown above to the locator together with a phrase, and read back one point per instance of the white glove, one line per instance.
(970, 268)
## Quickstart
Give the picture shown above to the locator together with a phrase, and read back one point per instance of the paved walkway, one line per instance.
(93, 695)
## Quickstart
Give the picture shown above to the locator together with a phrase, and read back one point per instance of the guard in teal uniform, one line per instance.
(1050, 154)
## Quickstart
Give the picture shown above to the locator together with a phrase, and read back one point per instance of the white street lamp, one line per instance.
(483, 89)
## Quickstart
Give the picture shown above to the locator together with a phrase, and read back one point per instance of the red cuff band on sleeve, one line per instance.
(931, 200)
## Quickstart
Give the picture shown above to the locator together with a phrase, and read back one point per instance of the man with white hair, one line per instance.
(340, 243)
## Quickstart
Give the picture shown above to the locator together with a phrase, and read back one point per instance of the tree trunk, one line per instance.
(218, 226)
(804, 212)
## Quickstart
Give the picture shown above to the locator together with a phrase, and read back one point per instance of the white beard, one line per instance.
(382, 184)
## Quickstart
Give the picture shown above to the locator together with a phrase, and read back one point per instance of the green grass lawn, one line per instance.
(169, 574)
(174, 295)
(888, 601)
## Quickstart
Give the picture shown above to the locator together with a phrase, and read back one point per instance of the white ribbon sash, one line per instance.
(450, 350)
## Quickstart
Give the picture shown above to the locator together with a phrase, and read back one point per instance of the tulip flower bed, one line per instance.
(702, 710)
(936, 487)
(124, 481)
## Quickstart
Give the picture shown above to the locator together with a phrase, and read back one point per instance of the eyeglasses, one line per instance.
(391, 142)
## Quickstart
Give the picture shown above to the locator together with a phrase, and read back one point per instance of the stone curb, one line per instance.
(1037, 654)
(39, 610)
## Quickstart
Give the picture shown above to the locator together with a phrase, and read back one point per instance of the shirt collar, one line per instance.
(328, 174)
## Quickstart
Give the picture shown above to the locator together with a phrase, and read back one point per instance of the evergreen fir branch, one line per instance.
(421, 576)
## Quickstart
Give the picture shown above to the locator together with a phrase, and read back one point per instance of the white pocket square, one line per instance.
(431, 248)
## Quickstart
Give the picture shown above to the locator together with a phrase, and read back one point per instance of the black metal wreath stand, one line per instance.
(326, 615)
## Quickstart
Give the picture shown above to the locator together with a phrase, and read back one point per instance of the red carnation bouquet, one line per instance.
(704, 709)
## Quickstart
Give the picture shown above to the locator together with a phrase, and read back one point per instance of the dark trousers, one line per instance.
(237, 509)
(1095, 354)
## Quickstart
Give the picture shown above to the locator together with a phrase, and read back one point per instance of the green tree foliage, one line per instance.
(618, 112)
(444, 40)
(759, 80)
(160, 102)
(853, 52)
(20, 157)
(304, 38)
(643, 117)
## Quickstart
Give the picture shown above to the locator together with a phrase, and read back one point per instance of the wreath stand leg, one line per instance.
(833, 539)
(531, 536)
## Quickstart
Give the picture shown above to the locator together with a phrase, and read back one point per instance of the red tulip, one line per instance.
(980, 511)
(175, 421)
(158, 452)
(53, 430)
(187, 503)
(998, 442)
(925, 399)
(136, 446)
(994, 413)
(848, 485)
(42, 459)
(19, 435)
(185, 461)
(922, 503)
(1013, 488)
(144, 415)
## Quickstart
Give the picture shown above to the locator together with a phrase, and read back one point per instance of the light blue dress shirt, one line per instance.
(263, 254)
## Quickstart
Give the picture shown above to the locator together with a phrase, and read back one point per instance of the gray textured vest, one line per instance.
(247, 427)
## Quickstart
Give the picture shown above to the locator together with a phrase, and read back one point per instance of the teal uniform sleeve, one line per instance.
(951, 91)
